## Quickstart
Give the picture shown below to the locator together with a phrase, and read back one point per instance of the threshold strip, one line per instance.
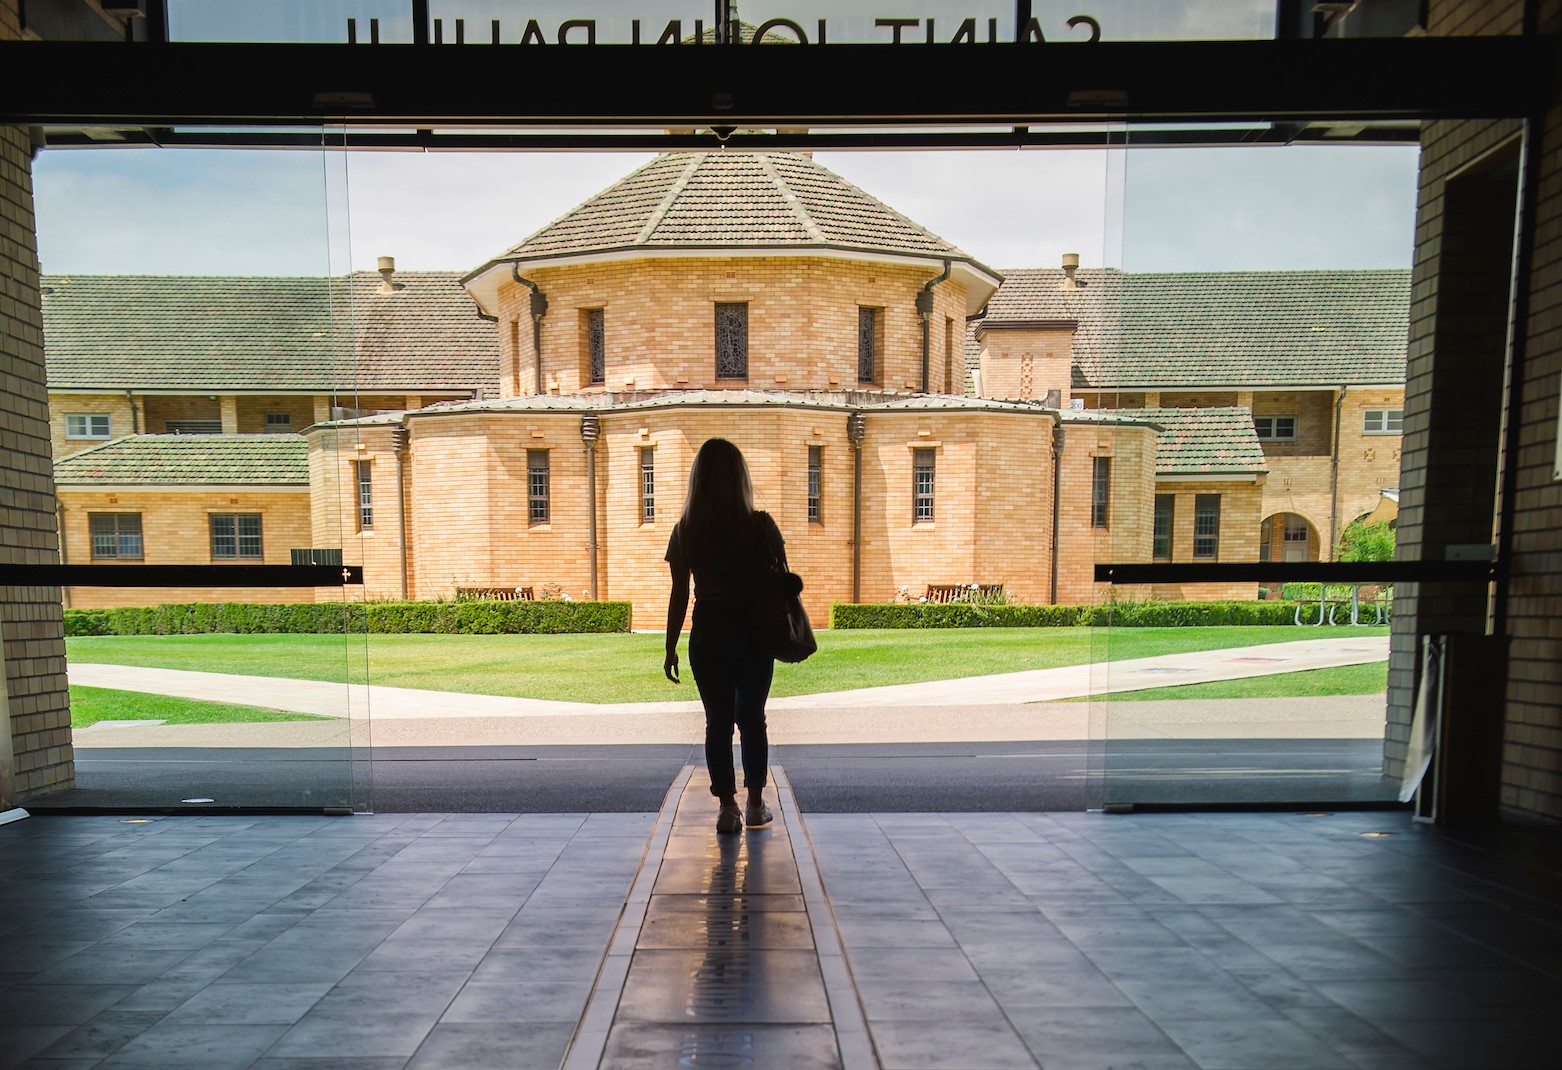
(725, 955)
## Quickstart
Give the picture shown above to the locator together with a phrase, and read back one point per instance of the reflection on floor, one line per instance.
(962, 940)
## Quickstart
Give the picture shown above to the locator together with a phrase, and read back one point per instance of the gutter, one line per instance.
(539, 309)
(925, 308)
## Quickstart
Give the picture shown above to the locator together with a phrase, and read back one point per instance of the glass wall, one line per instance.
(191, 344)
(1259, 326)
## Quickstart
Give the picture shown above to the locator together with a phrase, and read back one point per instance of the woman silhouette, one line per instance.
(723, 541)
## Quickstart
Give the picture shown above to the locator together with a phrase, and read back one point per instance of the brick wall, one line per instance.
(1448, 424)
(175, 530)
(468, 500)
(30, 617)
(1026, 364)
(116, 407)
(659, 323)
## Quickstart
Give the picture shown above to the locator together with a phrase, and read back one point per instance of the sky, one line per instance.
(263, 212)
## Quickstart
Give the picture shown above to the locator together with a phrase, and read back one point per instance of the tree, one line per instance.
(1367, 542)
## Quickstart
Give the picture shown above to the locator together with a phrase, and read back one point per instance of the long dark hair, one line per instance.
(720, 502)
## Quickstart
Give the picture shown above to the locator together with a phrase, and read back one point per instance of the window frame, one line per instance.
(1383, 419)
(89, 435)
(118, 535)
(539, 503)
(647, 484)
(1273, 420)
(924, 459)
(815, 484)
(870, 344)
(1101, 491)
(363, 480)
(1212, 537)
(283, 424)
(238, 536)
(1156, 534)
(738, 339)
(594, 337)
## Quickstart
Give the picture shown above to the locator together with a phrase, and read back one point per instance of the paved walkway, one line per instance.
(1004, 706)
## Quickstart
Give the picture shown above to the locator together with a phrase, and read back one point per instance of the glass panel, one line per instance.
(173, 699)
(1257, 337)
(293, 21)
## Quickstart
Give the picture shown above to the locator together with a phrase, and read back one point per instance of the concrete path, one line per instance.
(1009, 706)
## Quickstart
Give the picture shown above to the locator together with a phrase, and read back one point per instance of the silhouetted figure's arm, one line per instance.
(677, 609)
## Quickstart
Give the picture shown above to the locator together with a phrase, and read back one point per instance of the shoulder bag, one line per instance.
(781, 625)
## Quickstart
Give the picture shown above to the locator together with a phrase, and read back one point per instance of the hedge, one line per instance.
(465, 618)
(1121, 615)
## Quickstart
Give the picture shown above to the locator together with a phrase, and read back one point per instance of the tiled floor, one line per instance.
(1244, 942)
(974, 941)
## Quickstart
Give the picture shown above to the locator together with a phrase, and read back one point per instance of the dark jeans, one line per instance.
(734, 683)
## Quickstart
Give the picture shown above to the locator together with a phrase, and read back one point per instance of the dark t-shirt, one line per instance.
(728, 573)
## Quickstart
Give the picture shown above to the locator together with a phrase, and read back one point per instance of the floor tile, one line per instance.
(647, 1046)
(1240, 1045)
(519, 1001)
(197, 1047)
(781, 985)
(947, 1045)
(512, 1045)
(242, 1003)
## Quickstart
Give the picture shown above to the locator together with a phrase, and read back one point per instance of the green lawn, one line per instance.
(92, 704)
(1368, 679)
(628, 668)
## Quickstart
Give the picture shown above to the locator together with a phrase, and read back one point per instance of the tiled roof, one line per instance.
(707, 200)
(190, 459)
(1253, 329)
(226, 333)
(1204, 441)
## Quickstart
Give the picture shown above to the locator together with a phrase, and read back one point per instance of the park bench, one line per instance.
(963, 592)
(494, 594)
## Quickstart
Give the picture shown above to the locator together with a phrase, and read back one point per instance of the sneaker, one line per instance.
(729, 820)
(757, 816)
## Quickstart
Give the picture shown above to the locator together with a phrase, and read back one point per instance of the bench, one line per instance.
(964, 592)
(494, 594)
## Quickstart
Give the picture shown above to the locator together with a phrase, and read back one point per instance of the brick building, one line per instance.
(532, 424)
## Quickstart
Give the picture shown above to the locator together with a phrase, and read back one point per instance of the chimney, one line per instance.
(1070, 265)
(387, 268)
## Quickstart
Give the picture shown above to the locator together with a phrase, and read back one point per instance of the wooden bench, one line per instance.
(963, 592)
(494, 594)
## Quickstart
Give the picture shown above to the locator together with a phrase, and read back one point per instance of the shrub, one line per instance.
(1118, 615)
(334, 618)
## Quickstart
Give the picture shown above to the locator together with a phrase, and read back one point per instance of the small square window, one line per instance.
(115, 536)
(279, 423)
(1275, 428)
(236, 537)
(87, 425)
(1382, 421)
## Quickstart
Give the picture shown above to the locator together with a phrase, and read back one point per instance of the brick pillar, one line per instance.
(31, 617)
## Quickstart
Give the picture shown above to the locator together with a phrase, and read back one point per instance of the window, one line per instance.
(330, 555)
(870, 338)
(192, 427)
(815, 467)
(596, 346)
(732, 340)
(537, 486)
(922, 485)
(86, 425)
(115, 536)
(279, 423)
(1382, 421)
(365, 476)
(647, 484)
(236, 537)
(1206, 527)
(1100, 492)
(1275, 428)
(1161, 540)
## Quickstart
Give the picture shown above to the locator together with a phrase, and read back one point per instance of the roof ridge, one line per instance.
(676, 187)
(804, 216)
(951, 250)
